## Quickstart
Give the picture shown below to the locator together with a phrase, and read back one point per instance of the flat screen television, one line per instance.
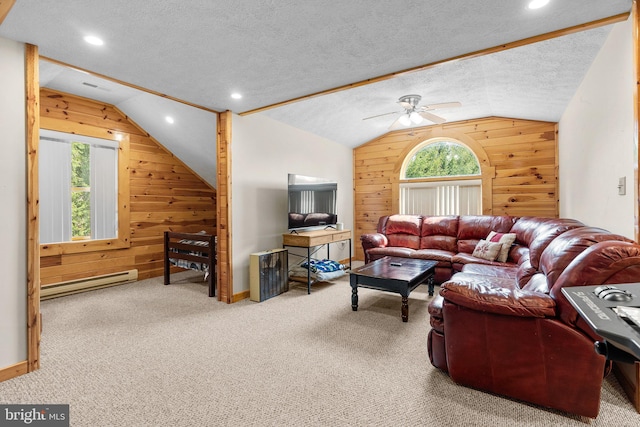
(312, 202)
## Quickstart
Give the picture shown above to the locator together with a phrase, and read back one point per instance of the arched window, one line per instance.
(441, 176)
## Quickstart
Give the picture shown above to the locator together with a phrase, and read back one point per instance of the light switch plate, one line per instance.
(622, 186)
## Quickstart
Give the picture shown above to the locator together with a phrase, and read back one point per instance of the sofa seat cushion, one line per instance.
(496, 295)
(434, 255)
(377, 253)
(463, 258)
(506, 271)
(537, 283)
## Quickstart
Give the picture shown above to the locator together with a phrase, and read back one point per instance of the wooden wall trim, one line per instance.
(33, 222)
(636, 114)
(123, 239)
(5, 8)
(241, 295)
(224, 265)
(13, 371)
(557, 167)
(111, 79)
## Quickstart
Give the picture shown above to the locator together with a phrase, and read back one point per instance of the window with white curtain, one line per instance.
(78, 179)
(424, 187)
(441, 197)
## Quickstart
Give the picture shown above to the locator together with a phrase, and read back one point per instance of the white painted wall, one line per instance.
(264, 151)
(13, 193)
(596, 140)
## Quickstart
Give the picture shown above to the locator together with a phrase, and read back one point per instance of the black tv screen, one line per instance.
(312, 202)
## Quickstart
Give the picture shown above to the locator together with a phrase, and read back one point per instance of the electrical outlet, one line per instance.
(622, 186)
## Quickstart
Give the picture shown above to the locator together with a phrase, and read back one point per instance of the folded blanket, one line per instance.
(324, 266)
(300, 273)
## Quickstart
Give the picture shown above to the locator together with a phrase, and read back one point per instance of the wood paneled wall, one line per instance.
(519, 160)
(164, 193)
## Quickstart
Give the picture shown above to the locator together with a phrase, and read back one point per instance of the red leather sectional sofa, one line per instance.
(505, 327)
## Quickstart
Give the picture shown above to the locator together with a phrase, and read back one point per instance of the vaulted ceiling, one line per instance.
(202, 51)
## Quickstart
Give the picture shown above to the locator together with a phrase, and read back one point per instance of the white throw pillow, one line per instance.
(506, 239)
(487, 250)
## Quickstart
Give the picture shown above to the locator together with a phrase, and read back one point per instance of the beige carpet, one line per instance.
(146, 354)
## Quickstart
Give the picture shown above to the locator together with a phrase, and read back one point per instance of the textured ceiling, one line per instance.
(201, 51)
(533, 82)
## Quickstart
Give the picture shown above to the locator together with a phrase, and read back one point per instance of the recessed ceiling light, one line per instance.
(96, 41)
(236, 95)
(537, 4)
(169, 119)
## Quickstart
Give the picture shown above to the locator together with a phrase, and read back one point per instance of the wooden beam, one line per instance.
(488, 51)
(636, 115)
(224, 266)
(102, 76)
(33, 221)
(5, 7)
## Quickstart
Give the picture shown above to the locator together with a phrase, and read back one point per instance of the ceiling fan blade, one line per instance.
(442, 105)
(397, 124)
(380, 115)
(406, 105)
(432, 117)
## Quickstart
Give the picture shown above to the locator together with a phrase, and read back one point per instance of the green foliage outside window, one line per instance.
(442, 159)
(80, 190)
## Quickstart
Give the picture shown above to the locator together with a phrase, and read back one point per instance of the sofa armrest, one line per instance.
(482, 295)
(373, 240)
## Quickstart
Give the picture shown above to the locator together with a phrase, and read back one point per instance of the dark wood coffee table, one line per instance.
(393, 274)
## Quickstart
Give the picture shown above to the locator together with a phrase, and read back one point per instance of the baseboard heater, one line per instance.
(88, 284)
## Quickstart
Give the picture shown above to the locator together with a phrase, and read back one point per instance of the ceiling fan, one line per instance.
(413, 114)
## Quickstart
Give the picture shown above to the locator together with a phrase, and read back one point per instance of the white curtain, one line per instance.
(55, 186)
(55, 190)
(462, 197)
(104, 200)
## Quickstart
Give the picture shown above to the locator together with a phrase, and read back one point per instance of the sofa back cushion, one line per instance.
(404, 230)
(546, 233)
(525, 229)
(473, 228)
(382, 225)
(608, 262)
(439, 232)
(566, 247)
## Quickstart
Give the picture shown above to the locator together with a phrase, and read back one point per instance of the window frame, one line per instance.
(425, 144)
(123, 238)
(402, 180)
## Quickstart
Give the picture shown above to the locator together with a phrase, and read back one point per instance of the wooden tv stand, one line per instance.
(310, 239)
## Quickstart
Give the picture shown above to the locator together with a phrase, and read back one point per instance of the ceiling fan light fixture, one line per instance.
(405, 120)
(415, 117)
(96, 41)
(537, 4)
